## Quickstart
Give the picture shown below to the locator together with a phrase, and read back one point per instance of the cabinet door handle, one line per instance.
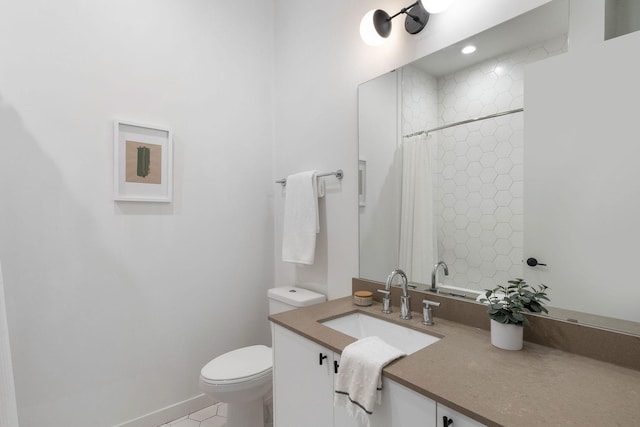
(446, 421)
(336, 365)
(321, 357)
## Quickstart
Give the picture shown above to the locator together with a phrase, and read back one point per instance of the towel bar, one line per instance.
(338, 174)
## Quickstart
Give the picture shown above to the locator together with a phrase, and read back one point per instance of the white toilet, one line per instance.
(242, 378)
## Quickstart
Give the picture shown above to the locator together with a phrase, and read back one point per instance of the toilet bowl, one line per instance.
(243, 378)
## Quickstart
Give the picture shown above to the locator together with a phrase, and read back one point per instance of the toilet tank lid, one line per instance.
(297, 297)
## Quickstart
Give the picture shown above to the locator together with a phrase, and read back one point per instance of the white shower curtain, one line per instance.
(417, 239)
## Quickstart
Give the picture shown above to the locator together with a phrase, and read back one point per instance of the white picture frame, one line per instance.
(143, 162)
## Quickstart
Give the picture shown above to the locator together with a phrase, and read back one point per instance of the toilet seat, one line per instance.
(238, 366)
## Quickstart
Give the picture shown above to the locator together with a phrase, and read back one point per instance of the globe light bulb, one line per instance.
(368, 31)
(436, 6)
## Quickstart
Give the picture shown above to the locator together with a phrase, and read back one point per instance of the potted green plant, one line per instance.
(506, 307)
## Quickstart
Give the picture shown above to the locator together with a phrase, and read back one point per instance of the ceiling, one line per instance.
(543, 23)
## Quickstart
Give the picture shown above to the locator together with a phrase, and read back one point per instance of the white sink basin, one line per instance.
(360, 325)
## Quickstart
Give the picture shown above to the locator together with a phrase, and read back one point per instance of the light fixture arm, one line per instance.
(414, 17)
(417, 19)
(405, 10)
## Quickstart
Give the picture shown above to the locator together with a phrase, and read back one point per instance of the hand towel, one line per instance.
(301, 222)
(358, 386)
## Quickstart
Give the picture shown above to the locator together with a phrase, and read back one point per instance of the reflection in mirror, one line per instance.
(442, 186)
(451, 187)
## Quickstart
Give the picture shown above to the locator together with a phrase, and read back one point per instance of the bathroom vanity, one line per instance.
(462, 376)
(305, 393)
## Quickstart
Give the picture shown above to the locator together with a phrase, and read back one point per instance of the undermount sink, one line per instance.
(359, 325)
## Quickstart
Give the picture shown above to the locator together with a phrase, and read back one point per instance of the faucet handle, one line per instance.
(428, 303)
(386, 301)
(427, 312)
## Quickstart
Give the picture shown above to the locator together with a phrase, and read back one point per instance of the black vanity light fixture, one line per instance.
(375, 27)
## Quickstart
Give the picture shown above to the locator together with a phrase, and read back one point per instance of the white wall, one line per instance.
(320, 60)
(589, 241)
(113, 308)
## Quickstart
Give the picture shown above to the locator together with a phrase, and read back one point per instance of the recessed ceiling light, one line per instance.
(468, 49)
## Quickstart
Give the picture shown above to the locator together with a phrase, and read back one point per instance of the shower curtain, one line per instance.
(417, 239)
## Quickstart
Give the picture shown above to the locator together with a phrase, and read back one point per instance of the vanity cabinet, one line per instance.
(454, 418)
(303, 390)
(403, 407)
(400, 407)
(302, 381)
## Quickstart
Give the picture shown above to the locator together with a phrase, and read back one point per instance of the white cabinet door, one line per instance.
(400, 407)
(454, 418)
(302, 387)
(340, 416)
(403, 407)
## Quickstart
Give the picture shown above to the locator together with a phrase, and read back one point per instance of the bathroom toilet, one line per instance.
(243, 378)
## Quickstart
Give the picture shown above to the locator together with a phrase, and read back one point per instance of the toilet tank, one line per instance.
(289, 297)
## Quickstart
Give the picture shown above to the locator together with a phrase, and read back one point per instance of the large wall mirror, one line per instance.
(522, 150)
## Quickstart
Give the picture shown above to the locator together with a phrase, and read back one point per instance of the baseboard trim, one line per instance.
(170, 413)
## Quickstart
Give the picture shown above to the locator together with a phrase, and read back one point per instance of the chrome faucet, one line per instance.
(405, 299)
(434, 274)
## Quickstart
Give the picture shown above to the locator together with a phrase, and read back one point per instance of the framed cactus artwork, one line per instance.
(142, 162)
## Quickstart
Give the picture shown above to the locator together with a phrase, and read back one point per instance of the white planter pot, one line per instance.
(506, 336)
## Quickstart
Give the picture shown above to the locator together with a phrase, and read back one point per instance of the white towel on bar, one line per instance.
(301, 222)
(358, 386)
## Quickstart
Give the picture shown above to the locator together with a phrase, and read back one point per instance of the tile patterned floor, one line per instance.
(212, 416)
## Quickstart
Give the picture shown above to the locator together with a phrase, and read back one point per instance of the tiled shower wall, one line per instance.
(419, 100)
(478, 167)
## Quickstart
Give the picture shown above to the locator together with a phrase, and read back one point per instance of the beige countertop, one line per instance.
(533, 387)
